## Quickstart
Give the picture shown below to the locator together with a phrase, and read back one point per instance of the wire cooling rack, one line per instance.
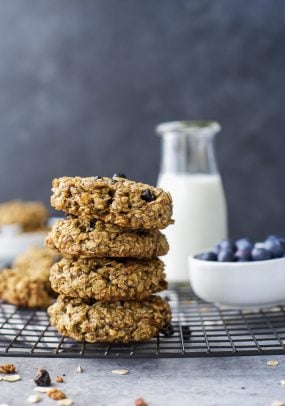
(214, 332)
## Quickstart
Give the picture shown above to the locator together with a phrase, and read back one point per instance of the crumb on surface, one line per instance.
(56, 394)
(7, 369)
(140, 402)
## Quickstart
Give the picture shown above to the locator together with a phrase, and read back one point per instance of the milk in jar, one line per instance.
(189, 172)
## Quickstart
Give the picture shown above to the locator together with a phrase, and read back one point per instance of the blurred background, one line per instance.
(84, 83)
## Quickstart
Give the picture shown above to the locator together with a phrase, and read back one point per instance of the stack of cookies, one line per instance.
(110, 243)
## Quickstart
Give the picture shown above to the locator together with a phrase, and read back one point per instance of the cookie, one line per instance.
(118, 200)
(35, 258)
(29, 215)
(126, 321)
(86, 238)
(107, 279)
(27, 283)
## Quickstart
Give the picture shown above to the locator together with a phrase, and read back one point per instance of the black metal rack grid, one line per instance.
(214, 332)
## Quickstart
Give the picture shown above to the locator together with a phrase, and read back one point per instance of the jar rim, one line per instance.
(193, 127)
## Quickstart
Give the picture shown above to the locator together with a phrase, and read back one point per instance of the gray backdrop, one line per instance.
(83, 83)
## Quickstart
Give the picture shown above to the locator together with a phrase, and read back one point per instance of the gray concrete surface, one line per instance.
(180, 382)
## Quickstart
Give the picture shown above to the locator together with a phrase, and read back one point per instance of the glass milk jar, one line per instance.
(189, 172)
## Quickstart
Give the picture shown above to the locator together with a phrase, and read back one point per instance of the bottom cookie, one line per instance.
(124, 322)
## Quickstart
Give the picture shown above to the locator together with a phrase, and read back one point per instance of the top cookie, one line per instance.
(118, 200)
(29, 215)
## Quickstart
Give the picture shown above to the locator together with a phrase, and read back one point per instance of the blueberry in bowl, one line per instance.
(241, 273)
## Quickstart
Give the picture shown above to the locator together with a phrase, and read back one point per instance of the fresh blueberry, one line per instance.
(217, 248)
(273, 244)
(207, 256)
(282, 242)
(260, 254)
(243, 255)
(244, 244)
(226, 255)
(228, 244)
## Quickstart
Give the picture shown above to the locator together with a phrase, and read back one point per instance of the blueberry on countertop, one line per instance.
(260, 254)
(226, 255)
(243, 255)
(244, 244)
(207, 256)
(273, 244)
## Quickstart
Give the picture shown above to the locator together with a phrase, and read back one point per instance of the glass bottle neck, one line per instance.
(187, 151)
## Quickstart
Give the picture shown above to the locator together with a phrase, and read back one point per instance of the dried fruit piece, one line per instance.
(79, 370)
(11, 378)
(56, 394)
(42, 377)
(65, 402)
(272, 363)
(34, 398)
(140, 402)
(147, 196)
(59, 379)
(7, 369)
(120, 371)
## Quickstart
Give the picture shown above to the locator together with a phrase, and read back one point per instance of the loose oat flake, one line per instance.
(79, 369)
(272, 363)
(282, 381)
(120, 371)
(59, 379)
(277, 403)
(65, 402)
(34, 398)
(42, 389)
(11, 378)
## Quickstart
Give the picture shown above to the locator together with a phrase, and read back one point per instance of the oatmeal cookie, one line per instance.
(29, 215)
(84, 238)
(108, 279)
(27, 282)
(125, 321)
(118, 200)
(36, 258)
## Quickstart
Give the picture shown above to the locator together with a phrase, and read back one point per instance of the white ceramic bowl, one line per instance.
(239, 284)
(13, 242)
(13, 245)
